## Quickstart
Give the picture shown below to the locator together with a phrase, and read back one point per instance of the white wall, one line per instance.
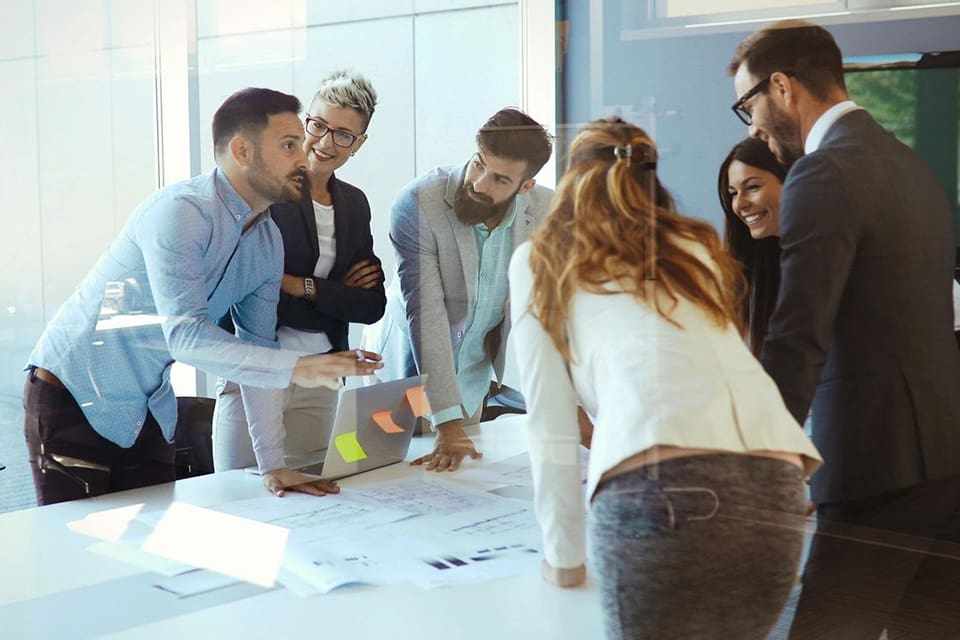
(440, 68)
(77, 123)
(79, 114)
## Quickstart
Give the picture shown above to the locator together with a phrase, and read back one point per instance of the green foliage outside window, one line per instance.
(891, 97)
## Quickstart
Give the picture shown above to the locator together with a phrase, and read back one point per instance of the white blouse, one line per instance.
(315, 341)
(326, 239)
(644, 382)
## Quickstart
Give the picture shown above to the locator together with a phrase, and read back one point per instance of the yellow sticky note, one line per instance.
(349, 448)
(417, 397)
(385, 421)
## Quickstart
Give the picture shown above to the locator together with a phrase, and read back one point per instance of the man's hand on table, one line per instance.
(563, 578)
(449, 449)
(279, 481)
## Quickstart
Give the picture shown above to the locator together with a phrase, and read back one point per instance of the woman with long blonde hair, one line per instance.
(695, 481)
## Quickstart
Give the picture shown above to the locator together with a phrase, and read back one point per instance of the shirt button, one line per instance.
(139, 423)
(460, 335)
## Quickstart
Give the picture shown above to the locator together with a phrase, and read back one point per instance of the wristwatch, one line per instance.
(308, 289)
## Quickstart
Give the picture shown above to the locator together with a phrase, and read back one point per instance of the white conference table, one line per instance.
(51, 586)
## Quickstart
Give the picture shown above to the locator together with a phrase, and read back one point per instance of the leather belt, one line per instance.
(48, 377)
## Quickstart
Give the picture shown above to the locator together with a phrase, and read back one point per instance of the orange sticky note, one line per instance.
(417, 397)
(385, 421)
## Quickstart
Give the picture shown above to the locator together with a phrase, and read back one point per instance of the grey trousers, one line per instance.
(308, 416)
(700, 547)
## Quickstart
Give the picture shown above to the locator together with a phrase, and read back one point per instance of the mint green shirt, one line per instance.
(472, 362)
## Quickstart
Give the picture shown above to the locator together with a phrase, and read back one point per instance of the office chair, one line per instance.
(194, 437)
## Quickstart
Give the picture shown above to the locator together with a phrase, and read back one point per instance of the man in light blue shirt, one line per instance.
(454, 230)
(100, 413)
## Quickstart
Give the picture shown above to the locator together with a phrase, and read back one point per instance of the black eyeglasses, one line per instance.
(741, 110)
(319, 128)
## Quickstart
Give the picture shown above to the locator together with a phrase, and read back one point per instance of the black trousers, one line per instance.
(70, 460)
(887, 563)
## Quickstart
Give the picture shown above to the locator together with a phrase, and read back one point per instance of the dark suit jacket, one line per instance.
(863, 322)
(335, 304)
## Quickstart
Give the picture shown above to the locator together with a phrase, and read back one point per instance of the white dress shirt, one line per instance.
(644, 382)
(956, 306)
(825, 121)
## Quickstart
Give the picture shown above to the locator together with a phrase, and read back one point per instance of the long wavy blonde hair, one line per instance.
(612, 220)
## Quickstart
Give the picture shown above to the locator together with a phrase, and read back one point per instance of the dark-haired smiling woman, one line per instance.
(696, 471)
(749, 186)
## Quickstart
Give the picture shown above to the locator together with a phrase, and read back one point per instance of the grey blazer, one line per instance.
(437, 270)
(862, 328)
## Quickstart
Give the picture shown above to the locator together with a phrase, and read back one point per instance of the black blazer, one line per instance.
(863, 326)
(335, 304)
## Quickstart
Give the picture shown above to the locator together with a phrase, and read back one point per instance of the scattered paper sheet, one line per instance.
(513, 471)
(246, 549)
(421, 496)
(429, 531)
(131, 552)
(195, 582)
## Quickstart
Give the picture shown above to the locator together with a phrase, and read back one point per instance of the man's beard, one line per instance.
(786, 133)
(272, 188)
(472, 208)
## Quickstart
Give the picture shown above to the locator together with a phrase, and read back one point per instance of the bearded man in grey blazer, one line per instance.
(453, 231)
(862, 334)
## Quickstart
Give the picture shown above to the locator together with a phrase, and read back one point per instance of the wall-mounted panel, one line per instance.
(75, 145)
(318, 12)
(17, 30)
(133, 127)
(386, 161)
(21, 285)
(467, 67)
(131, 23)
(66, 26)
(231, 63)
(225, 17)
(426, 6)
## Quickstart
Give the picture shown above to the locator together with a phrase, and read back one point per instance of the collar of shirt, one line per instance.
(825, 121)
(484, 232)
(230, 199)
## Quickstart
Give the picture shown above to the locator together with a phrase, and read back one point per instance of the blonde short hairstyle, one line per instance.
(350, 90)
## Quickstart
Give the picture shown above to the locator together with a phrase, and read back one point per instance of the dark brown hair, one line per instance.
(247, 111)
(797, 48)
(759, 259)
(512, 134)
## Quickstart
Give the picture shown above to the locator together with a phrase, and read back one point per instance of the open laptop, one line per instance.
(373, 428)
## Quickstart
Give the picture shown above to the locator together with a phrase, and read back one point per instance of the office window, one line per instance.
(91, 127)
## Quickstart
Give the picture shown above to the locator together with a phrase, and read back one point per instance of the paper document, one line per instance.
(423, 496)
(426, 530)
(512, 471)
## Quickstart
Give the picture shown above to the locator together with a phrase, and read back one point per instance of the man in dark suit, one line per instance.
(861, 337)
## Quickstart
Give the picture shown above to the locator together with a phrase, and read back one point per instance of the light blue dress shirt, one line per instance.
(474, 368)
(181, 262)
